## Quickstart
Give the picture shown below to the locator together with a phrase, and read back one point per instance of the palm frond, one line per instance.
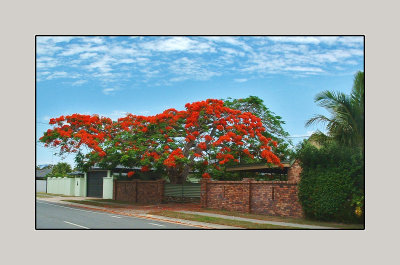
(346, 124)
(318, 119)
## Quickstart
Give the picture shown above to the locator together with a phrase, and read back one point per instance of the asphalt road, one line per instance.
(59, 216)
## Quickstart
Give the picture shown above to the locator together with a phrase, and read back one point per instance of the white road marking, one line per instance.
(76, 225)
(71, 208)
(155, 224)
(116, 216)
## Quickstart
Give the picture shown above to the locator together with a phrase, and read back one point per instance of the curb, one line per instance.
(143, 216)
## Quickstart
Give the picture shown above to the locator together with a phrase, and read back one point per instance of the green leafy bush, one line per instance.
(332, 182)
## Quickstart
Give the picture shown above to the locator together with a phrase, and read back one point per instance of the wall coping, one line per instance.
(277, 182)
(138, 180)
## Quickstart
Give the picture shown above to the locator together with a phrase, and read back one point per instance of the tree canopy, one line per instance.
(60, 170)
(206, 136)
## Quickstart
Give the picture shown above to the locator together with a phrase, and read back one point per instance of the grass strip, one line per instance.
(42, 196)
(52, 194)
(114, 201)
(220, 221)
(284, 219)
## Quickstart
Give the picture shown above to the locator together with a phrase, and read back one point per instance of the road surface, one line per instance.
(60, 216)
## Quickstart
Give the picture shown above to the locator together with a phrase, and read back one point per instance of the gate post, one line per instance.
(161, 184)
(203, 192)
(248, 180)
(115, 190)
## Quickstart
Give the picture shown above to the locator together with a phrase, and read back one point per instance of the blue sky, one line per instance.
(111, 76)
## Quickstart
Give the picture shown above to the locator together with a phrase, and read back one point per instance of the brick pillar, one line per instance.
(294, 172)
(203, 192)
(161, 185)
(136, 189)
(115, 189)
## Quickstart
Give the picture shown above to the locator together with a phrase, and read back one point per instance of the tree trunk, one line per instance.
(176, 176)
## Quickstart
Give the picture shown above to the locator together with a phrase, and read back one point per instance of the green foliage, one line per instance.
(332, 182)
(272, 123)
(60, 170)
(83, 162)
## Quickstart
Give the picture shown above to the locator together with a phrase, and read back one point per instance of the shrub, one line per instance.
(332, 183)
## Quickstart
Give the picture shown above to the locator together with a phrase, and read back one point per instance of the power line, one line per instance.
(300, 136)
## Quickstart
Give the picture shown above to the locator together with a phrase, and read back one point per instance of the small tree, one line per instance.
(60, 170)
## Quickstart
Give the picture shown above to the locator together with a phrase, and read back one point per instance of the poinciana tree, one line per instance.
(207, 136)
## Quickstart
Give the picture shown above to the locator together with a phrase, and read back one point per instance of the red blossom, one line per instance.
(145, 168)
(206, 176)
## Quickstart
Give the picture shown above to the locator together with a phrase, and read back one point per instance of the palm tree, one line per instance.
(346, 124)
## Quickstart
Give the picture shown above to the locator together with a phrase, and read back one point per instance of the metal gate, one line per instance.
(182, 192)
(95, 183)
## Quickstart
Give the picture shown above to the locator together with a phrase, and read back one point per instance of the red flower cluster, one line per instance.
(207, 128)
(171, 160)
(130, 174)
(145, 168)
(206, 176)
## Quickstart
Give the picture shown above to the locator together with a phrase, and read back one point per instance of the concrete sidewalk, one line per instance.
(257, 221)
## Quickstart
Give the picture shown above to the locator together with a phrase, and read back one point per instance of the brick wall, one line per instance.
(151, 191)
(277, 198)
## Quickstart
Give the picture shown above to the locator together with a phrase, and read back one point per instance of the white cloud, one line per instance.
(178, 44)
(126, 61)
(102, 64)
(96, 40)
(108, 91)
(240, 80)
(234, 41)
(187, 68)
(233, 52)
(303, 69)
(58, 74)
(306, 40)
(79, 82)
(351, 41)
(351, 62)
(87, 55)
(123, 51)
(312, 40)
(46, 62)
(41, 40)
(86, 48)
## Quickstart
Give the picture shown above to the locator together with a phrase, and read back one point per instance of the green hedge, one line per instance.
(332, 183)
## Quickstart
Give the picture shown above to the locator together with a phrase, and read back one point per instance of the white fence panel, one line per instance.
(41, 185)
(65, 186)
